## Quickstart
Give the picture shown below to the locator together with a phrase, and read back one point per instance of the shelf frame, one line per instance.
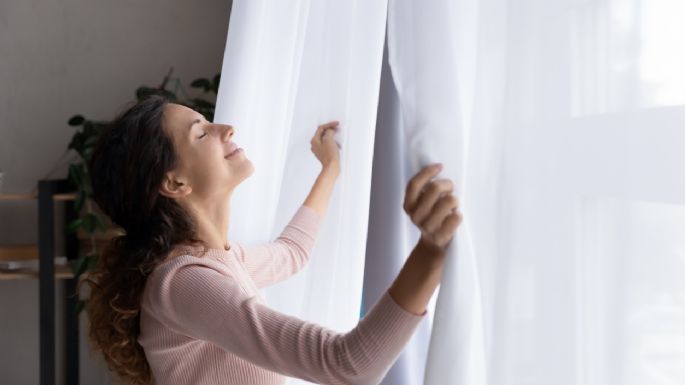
(47, 191)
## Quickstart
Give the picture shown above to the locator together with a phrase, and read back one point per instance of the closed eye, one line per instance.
(203, 135)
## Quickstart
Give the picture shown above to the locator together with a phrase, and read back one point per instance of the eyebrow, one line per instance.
(190, 126)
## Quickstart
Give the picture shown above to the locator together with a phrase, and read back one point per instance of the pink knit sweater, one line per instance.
(204, 321)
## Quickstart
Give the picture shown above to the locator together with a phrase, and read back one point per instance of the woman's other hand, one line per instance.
(324, 146)
(433, 209)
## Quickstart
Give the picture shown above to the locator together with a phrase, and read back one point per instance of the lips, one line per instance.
(234, 147)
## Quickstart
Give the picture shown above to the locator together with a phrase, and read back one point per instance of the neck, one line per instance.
(212, 218)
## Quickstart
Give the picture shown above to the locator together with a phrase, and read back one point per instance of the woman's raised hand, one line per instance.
(432, 208)
(324, 146)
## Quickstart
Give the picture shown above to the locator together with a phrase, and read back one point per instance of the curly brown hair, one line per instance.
(127, 168)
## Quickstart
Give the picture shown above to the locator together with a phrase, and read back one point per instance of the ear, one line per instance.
(174, 187)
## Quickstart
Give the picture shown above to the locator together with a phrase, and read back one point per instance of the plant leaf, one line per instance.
(79, 201)
(76, 173)
(74, 225)
(79, 265)
(77, 142)
(201, 83)
(89, 222)
(76, 120)
(168, 94)
(91, 140)
(143, 91)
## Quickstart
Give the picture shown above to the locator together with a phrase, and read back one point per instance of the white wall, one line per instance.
(59, 58)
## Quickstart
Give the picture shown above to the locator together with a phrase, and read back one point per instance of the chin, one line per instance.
(246, 174)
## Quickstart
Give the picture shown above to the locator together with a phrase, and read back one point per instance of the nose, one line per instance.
(226, 132)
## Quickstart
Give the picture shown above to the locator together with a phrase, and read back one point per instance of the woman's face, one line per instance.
(203, 150)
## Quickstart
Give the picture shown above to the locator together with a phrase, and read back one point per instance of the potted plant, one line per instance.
(93, 228)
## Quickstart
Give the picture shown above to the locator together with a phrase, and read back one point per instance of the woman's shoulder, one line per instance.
(164, 273)
(183, 256)
(173, 272)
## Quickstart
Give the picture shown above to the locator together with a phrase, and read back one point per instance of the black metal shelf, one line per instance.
(47, 189)
(50, 191)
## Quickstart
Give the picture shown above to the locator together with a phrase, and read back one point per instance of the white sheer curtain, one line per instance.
(572, 187)
(567, 152)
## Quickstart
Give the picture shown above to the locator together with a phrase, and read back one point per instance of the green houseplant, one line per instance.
(90, 223)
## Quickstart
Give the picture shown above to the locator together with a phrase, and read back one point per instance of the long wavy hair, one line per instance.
(127, 168)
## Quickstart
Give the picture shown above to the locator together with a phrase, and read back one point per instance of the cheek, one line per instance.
(208, 155)
(203, 165)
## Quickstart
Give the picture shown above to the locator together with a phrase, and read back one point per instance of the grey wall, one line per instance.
(59, 58)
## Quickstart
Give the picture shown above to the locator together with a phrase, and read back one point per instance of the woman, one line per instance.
(175, 302)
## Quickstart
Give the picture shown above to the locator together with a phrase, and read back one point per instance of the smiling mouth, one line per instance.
(238, 149)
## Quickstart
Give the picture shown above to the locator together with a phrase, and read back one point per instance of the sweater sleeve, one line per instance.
(274, 262)
(204, 303)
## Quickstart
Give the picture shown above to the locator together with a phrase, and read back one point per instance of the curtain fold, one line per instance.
(436, 51)
(391, 234)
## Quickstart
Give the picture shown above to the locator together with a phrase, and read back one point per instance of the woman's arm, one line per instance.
(197, 298)
(323, 187)
(275, 261)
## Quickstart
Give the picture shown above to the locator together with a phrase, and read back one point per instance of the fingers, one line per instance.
(432, 207)
(322, 129)
(328, 137)
(330, 124)
(323, 143)
(446, 232)
(328, 132)
(416, 184)
(431, 193)
(446, 206)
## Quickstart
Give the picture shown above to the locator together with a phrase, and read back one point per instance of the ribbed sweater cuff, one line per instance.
(382, 334)
(307, 219)
(392, 314)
